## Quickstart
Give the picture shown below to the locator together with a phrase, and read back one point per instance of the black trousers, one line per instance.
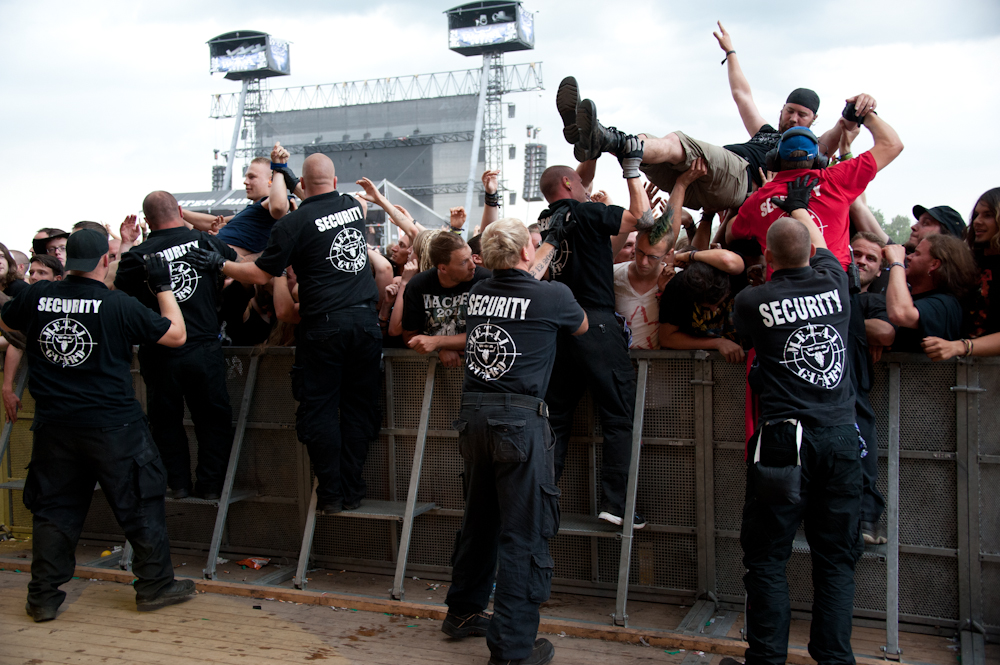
(197, 374)
(65, 464)
(872, 501)
(336, 381)
(511, 512)
(830, 506)
(598, 360)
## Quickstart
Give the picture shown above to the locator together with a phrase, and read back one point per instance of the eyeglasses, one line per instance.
(651, 257)
(55, 249)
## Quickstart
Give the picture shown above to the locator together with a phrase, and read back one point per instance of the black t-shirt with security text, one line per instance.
(324, 240)
(80, 336)
(584, 261)
(512, 324)
(798, 324)
(431, 309)
(198, 293)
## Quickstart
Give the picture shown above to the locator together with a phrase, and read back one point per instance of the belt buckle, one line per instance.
(543, 409)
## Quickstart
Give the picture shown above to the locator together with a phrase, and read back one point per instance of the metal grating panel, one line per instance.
(729, 401)
(572, 557)
(927, 500)
(989, 510)
(927, 409)
(433, 539)
(272, 400)
(584, 418)
(257, 527)
(409, 374)
(730, 488)
(353, 538)
(669, 409)
(989, 410)
(575, 498)
(879, 397)
(663, 560)
(869, 584)
(729, 568)
(991, 593)
(666, 485)
(440, 478)
(268, 463)
(928, 585)
(447, 399)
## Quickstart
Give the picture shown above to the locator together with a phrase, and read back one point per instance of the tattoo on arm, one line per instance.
(645, 221)
(540, 266)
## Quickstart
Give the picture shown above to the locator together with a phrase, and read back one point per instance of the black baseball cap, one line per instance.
(951, 222)
(38, 244)
(84, 249)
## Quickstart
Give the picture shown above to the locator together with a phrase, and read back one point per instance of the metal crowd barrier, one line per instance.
(939, 448)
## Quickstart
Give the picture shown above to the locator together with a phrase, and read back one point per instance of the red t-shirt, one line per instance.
(832, 196)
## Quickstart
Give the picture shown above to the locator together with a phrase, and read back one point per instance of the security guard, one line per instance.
(804, 463)
(511, 499)
(196, 371)
(339, 342)
(88, 425)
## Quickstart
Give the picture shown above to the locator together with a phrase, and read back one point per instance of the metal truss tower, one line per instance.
(493, 134)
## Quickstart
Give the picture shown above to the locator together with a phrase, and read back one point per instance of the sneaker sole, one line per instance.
(567, 101)
(617, 521)
(587, 146)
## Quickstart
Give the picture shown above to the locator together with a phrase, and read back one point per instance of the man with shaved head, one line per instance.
(338, 342)
(583, 260)
(804, 460)
(196, 371)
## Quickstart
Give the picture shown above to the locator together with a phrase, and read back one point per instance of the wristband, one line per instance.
(896, 263)
(458, 229)
(691, 255)
(846, 156)
(728, 53)
(275, 166)
(492, 200)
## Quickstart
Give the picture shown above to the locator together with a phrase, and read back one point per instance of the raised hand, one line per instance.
(129, 230)
(205, 259)
(725, 41)
(631, 157)
(371, 193)
(457, 220)
(698, 169)
(410, 269)
(491, 181)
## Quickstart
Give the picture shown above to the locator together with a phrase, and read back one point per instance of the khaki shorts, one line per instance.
(725, 186)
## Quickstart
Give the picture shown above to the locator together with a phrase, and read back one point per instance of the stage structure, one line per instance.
(414, 131)
(248, 56)
(489, 28)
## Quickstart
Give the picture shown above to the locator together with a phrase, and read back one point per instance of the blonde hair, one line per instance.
(502, 243)
(421, 249)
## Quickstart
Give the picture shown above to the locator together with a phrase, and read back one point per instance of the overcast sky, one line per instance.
(104, 102)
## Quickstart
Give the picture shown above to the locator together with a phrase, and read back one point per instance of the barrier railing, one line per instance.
(938, 439)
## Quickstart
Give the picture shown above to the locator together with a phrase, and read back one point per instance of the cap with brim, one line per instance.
(796, 139)
(38, 244)
(951, 222)
(84, 250)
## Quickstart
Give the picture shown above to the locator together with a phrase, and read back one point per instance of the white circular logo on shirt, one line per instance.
(349, 251)
(65, 342)
(490, 351)
(816, 354)
(560, 257)
(183, 280)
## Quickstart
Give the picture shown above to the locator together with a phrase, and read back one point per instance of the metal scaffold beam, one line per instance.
(367, 144)
(523, 77)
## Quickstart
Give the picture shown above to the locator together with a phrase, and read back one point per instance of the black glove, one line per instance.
(631, 156)
(288, 174)
(850, 114)
(798, 194)
(559, 229)
(157, 273)
(205, 260)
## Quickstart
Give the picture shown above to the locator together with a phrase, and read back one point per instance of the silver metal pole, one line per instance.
(892, 650)
(227, 181)
(477, 135)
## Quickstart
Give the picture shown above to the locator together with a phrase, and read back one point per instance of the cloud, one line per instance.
(108, 102)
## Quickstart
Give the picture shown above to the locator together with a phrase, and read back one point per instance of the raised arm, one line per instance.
(697, 170)
(739, 85)
(404, 222)
(796, 204)
(887, 143)
(277, 199)
(491, 211)
(200, 220)
(639, 215)
(898, 301)
(728, 262)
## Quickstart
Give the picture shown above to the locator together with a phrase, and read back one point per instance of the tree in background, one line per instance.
(898, 229)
